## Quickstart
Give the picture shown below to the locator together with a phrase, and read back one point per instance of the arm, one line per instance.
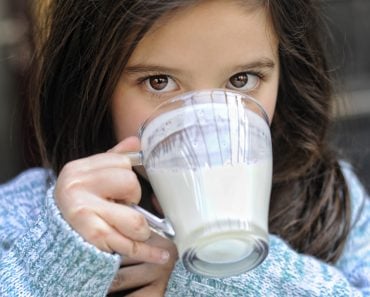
(70, 246)
(288, 273)
(44, 256)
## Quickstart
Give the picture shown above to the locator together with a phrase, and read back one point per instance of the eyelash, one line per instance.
(259, 73)
(141, 80)
(155, 95)
(261, 76)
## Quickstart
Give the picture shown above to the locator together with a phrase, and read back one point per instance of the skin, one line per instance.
(216, 44)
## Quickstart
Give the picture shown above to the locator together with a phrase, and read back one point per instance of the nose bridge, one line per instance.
(205, 86)
(205, 78)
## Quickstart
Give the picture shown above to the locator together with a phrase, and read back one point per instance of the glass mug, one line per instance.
(208, 157)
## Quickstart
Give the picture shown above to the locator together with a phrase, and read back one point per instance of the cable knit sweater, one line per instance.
(40, 255)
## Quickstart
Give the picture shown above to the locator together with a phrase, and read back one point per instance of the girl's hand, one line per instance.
(94, 194)
(149, 279)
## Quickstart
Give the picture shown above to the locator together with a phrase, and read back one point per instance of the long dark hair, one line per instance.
(85, 46)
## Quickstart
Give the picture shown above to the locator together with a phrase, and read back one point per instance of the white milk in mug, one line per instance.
(207, 197)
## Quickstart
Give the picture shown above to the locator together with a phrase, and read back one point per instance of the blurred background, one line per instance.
(14, 58)
(350, 26)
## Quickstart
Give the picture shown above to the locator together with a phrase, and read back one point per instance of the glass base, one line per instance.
(226, 253)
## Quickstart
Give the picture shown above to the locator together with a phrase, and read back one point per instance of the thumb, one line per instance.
(129, 144)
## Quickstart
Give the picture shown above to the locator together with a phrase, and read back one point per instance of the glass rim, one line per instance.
(186, 95)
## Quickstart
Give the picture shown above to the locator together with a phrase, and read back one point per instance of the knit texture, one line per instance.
(40, 255)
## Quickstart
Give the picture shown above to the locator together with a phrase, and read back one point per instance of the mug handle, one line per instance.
(161, 226)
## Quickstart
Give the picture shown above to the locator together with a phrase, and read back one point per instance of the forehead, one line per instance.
(207, 31)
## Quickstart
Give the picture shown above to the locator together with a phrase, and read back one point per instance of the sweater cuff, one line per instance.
(55, 258)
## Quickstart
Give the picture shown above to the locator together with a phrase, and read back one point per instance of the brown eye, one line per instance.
(160, 83)
(239, 80)
(243, 81)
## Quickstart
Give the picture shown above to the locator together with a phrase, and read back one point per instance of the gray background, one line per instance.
(13, 56)
(350, 23)
(348, 20)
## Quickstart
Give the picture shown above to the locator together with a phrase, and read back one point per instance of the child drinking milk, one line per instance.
(67, 229)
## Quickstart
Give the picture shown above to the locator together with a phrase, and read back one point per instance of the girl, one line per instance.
(102, 68)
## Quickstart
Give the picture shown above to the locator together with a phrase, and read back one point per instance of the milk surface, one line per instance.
(211, 133)
(194, 198)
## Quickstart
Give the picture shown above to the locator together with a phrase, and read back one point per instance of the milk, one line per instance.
(192, 199)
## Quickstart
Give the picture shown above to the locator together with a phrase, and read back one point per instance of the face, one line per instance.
(215, 44)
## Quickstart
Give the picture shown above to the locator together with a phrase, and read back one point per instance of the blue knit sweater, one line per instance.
(40, 255)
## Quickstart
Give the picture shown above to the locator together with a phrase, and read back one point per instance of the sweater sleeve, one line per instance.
(47, 257)
(285, 272)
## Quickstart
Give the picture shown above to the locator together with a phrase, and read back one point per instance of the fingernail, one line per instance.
(165, 255)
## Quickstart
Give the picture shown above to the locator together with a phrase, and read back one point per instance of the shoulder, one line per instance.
(28, 180)
(355, 260)
(357, 192)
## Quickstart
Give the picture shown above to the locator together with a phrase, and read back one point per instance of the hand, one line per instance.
(149, 279)
(94, 194)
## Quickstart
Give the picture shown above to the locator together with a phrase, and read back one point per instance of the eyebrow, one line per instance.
(263, 63)
(143, 68)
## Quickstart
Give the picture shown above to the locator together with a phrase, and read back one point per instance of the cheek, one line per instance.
(270, 106)
(268, 101)
(268, 98)
(128, 115)
(125, 125)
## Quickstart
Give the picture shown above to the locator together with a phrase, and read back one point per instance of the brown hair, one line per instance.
(310, 205)
(88, 44)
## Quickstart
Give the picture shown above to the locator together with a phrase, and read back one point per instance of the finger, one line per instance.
(133, 277)
(160, 241)
(137, 250)
(94, 230)
(153, 290)
(113, 183)
(155, 240)
(125, 220)
(125, 261)
(88, 208)
(97, 232)
(98, 161)
(130, 144)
